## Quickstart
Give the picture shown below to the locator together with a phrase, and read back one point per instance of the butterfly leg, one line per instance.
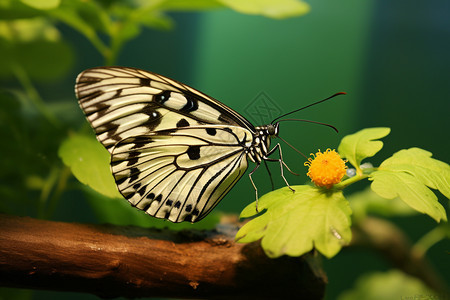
(254, 186)
(290, 171)
(282, 163)
(270, 174)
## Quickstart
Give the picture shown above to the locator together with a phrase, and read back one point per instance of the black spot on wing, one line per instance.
(154, 117)
(191, 103)
(169, 203)
(133, 158)
(87, 80)
(211, 131)
(162, 97)
(188, 208)
(193, 152)
(121, 180)
(147, 206)
(158, 198)
(91, 96)
(134, 172)
(141, 191)
(183, 123)
(144, 81)
(99, 108)
(117, 94)
(177, 204)
(150, 196)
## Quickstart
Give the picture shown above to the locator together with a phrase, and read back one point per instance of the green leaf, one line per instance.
(89, 162)
(388, 285)
(295, 223)
(360, 145)
(10, 10)
(42, 4)
(407, 174)
(368, 202)
(273, 9)
(432, 172)
(156, 19)
(192, 5)
(33, 45)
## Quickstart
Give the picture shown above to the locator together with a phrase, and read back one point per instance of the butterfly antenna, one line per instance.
(315, 122)
(298, 151)
(315, 103)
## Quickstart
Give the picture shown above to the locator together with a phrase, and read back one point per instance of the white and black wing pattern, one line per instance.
(125, 102)
(180, 174)
(175, 152)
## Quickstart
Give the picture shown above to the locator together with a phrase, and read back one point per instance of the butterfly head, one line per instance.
(273, 129)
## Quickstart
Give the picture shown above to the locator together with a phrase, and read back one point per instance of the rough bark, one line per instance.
(112, 261)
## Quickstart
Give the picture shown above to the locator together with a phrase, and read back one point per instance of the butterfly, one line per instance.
(175, 152)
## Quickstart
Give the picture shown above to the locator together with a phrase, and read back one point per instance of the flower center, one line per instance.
(326, 169)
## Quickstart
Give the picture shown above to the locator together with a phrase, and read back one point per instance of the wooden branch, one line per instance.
(112, 261)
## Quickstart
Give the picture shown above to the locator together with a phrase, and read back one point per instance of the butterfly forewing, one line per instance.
(175, 152)
(123, 102)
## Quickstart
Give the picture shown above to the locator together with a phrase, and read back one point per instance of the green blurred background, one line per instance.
(391, 57)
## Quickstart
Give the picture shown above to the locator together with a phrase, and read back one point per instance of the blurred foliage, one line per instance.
(34, 51)
(117, 21)
(388, 285)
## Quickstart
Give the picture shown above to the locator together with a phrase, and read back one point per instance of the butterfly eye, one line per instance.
(272, 129)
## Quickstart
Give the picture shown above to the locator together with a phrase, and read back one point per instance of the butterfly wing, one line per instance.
(125, 102)
(182, 174)
(175, 151)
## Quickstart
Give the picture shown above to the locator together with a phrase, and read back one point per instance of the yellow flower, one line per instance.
(326, 169)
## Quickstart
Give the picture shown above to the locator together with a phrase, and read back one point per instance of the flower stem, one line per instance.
(349, 181)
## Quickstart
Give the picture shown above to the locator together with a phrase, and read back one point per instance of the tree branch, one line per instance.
(112, 261)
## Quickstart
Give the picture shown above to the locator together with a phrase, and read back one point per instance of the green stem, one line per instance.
(117, 41)
(33, 94)
(429, 240)
(72, 18)
(61, 185)
(343, 184)
(46, 191)
(99, 45)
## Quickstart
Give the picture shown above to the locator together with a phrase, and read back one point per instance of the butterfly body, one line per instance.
(175, 152)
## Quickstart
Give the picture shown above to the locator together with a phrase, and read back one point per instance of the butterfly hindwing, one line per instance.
(180, 174)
